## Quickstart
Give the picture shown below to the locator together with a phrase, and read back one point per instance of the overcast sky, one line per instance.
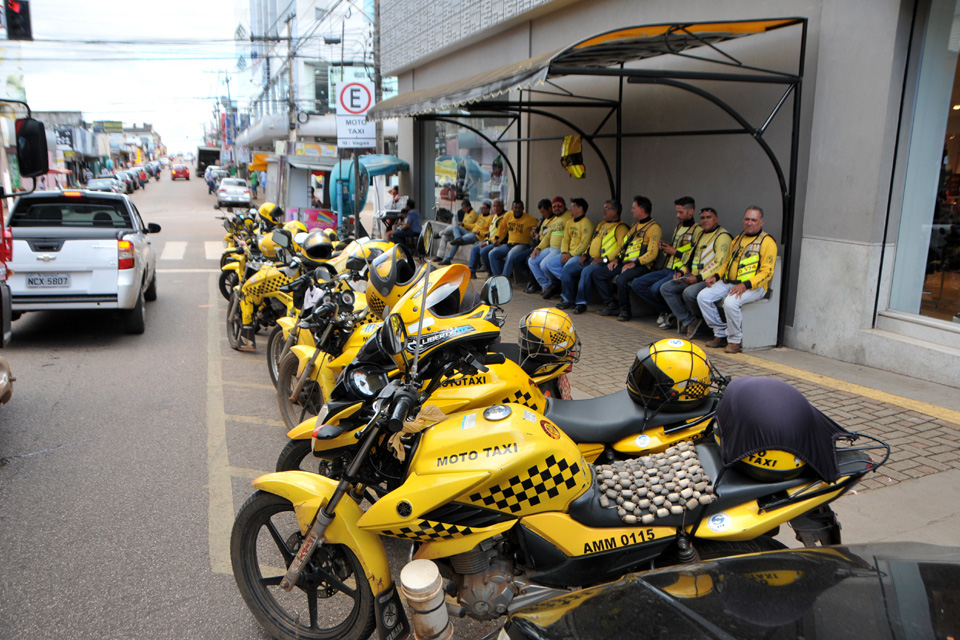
(172, 86)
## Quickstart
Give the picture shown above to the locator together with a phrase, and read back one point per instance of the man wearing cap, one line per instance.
(467, 234)
(565, 268)
(551, 237)
(513, 239)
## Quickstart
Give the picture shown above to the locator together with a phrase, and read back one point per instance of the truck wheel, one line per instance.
(135, 320)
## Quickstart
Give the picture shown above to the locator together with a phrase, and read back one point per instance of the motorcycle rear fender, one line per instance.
(746, 521)
(308, 492)
(658, 439)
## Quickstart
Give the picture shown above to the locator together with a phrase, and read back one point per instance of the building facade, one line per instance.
(864, 203)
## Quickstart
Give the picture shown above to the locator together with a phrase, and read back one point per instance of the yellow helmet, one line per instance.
(392, 274)
(295, 227)
(270, 215)
(317, 247)
(547, 337)
(331, 234)
(671, 375)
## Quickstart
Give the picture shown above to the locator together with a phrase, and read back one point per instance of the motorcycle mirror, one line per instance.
(31, 148)
(356, 263)
(426, 241)
(393, 335)
(281, 238)
(496, 291)
(321, 275)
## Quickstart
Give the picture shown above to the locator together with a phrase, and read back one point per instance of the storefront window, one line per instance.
(926, 277)
(467, 166)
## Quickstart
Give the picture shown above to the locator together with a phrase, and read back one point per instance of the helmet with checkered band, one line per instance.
(392, 274)
(270, 215)
(671, 375)
(295, 227)
(547, 336)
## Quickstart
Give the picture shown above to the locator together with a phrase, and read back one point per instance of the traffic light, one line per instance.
(18, 20)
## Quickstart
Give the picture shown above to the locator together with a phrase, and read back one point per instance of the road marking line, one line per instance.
(188, 271)
(250, 385)
(267, 422)
(173, 250)
(213, 249)
(241, 472)
(940, 413)
(219, 483)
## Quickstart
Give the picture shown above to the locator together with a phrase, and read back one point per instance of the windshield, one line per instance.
(71, 214)
(445, 301)
(101, 182)
(234, 182)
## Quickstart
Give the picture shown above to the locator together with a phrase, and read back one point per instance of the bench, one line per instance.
(760, 318)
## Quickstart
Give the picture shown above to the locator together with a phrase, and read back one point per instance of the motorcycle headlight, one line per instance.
(365, 381)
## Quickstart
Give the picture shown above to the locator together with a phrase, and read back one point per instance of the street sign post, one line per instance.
(354, 99)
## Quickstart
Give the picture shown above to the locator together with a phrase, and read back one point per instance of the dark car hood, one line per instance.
(897, 590)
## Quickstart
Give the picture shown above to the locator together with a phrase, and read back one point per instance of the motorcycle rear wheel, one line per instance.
(227, 281)
(332, 590)
(309, 401)
(275, 342)
(234, 321)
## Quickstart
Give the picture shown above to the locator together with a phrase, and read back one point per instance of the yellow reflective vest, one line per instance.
(752, 260)
(642, 244)
(607, 240)
(684, 239)
(711, 253)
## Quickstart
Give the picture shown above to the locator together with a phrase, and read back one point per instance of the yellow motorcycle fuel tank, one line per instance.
(504, 458)
(501, 383)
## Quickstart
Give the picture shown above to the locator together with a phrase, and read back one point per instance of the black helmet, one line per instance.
(317, 246)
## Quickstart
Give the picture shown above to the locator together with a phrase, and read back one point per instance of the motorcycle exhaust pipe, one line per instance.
(422, 586)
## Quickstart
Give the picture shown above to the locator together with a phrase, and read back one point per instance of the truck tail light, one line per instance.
(125, 254)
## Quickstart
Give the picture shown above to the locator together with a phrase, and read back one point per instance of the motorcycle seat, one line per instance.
(612, 418)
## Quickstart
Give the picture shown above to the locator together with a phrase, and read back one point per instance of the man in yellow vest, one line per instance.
(487, 241)
(565, 268)
(748, 272)
(606, 244)
(473, 226)
(674, 262)
(709, 258)
(551, 237)
(639, 250)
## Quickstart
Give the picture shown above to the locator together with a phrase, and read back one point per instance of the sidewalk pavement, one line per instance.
(919, 420)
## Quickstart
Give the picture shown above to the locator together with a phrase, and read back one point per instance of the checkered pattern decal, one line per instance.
(426, 530)
(259, 287)
(522, 398)
(522, 491)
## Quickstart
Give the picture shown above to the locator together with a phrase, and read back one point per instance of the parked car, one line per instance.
(124, 178)
(110, 184)
(62, 243)
(889, 590)
(219, 175)
(233, 192)
(180, 171)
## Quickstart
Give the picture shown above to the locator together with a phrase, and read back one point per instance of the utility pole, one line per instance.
(291, 92)
(377, 77)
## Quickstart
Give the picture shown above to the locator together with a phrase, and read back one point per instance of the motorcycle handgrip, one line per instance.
(494, 358)
(291, 286)
(404, 404)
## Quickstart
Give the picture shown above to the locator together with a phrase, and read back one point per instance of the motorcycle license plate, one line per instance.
(46, 280)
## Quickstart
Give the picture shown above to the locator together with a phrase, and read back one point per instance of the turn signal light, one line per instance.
(125, 254)
(72, 194)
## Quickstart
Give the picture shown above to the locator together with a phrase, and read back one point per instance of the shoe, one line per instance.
(533, 287)
(624, 316)
(248, 338)
(669, 322)
(609, 310)
(662, 318)
(436, 259)
(444, 263)
(716, 343)
(732, 347)
(473, 275)
(550, 291)
(563, 304)
(580, 308)
(691, 329)
(436, 236)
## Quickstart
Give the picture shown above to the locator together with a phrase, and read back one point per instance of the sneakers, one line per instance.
(551, 290)
(610, 310)
(666, 320)
(624, 316)
(732, 347)
(473, 275)
(716, 343)
(563, 304)
(580, 308)
(691, 329)
(444, 263)
(533, 287)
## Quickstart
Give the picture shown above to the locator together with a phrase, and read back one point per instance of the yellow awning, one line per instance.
(259, 162)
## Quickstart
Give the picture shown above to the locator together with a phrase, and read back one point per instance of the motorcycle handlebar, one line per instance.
(405, 403)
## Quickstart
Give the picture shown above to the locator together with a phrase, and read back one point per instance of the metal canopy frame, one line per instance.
(606, 54)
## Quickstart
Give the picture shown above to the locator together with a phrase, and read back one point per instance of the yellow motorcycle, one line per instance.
(508, 506)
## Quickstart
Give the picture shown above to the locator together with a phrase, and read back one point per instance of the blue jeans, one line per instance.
(586, 281)
(536, 265)
(552, 268)
(466, 237)
(478, 256)
(496, 257)
(570, 277)
(516, 255)
(624, 280)
(648, 288)
(601, 279)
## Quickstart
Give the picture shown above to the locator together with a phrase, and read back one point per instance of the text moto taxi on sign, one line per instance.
(354, 99)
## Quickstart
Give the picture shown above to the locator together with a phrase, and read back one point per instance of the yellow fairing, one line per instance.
(231, 266)
(355, 248)
(308, 492)
(267, 247)
(656, 440)
(286, 326)
(501, 384)
(576, 539)
(590, 451)
(745, 522)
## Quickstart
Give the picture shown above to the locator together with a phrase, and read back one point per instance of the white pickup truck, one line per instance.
(82, 250)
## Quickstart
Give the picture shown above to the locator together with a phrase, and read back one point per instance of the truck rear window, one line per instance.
(70, 214)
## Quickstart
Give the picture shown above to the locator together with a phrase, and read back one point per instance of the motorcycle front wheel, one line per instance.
(332, 598)
(275, 342)
(228, 280)
(234, 321)
(308, 401)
